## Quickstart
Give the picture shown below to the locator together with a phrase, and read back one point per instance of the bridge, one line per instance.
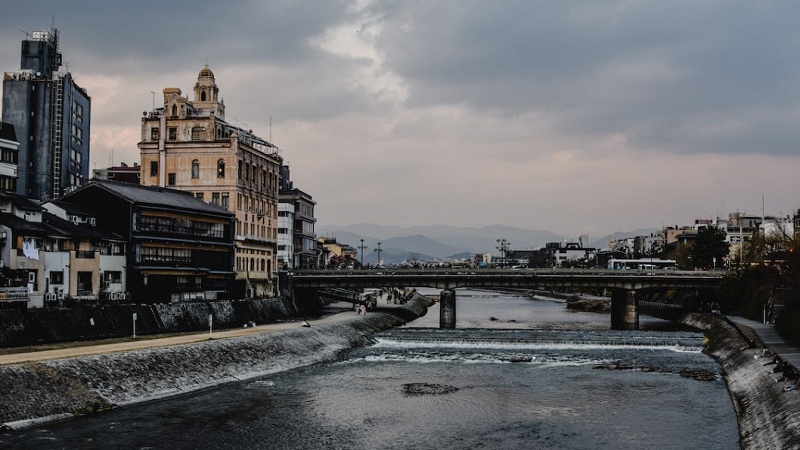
(622, 283)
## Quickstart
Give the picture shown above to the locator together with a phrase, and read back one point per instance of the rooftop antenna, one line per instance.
(154, 100)
(270, 128)
(27, 35)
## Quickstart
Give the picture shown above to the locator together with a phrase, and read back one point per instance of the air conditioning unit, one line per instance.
(31, 277)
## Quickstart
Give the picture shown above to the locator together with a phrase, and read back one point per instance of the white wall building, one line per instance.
(285, 235)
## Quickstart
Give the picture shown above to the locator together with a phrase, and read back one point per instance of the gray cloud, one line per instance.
(464, 111)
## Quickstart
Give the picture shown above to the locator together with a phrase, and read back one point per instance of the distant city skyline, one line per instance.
(575, 117)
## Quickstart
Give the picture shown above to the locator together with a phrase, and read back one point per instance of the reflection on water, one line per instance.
(528, 379)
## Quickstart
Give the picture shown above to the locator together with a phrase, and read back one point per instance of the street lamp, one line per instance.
(503, 247)
(362, 247)
(379, 253)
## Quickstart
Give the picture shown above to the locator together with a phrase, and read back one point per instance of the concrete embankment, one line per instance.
(769, 417)
(50, 390)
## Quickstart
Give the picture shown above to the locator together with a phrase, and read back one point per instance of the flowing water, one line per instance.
(516, 374)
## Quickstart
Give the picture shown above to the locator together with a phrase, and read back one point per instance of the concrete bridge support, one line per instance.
(624, 310)
(447, 309)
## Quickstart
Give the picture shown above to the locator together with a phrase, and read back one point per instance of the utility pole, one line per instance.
(362, 247)
(379, 253)
(503, 247)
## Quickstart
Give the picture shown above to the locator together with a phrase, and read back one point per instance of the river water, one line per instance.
(517, 373)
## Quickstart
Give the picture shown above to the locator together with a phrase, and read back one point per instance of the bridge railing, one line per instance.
(531, 271)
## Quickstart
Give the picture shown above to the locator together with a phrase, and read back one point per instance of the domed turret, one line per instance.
(206, 73)
(206, 94)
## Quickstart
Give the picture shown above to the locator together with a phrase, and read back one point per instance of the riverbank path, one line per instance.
(88, 348)
(771, 339)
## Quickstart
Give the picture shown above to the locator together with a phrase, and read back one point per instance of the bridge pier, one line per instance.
(447, 309)
(624, 310)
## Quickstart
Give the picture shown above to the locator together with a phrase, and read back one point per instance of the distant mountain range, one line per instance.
(444, 241)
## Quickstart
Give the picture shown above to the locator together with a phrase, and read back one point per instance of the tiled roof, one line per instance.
(157, 196)
(21, 202)
(20, 224)
(68, 228)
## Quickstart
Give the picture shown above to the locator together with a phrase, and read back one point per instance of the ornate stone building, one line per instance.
(188, 145)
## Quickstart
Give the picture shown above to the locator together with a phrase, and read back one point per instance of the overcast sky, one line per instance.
(571, 116)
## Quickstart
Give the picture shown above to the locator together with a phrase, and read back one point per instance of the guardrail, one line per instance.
(14, 294)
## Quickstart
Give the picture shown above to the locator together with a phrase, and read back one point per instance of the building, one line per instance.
(48, 259)
(188, 145)
(338, 255)
(51, 115)
(305, 251)
(285, 235)
(9, 155)
(123, 172)
(179, 247)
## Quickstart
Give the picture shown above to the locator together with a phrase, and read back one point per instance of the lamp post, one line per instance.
(379, 253)
(503, 247)
(362, 247)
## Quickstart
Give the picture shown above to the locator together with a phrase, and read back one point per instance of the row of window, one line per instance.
(217, 198)
(195, 170)
(109, 276)
(257, 174)
(256, 205)
(215, 260)
(8, 183)
(253, 264)
(256, 230)
(198, 133)
(8, 155)
(77, 135)
(170, 225)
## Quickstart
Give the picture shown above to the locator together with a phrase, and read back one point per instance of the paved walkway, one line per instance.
(771, 339)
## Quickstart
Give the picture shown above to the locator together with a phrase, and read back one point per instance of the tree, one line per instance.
(709, 245)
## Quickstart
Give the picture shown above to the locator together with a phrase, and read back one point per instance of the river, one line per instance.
(517, 373)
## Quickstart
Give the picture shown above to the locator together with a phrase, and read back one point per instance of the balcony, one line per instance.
(84, 254)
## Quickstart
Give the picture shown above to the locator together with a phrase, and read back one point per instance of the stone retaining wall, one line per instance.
(769, 418)
(50, 325)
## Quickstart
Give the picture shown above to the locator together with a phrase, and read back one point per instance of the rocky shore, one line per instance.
(39, 392)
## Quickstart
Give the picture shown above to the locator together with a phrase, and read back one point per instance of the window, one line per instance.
(171, 179)
(57, 277)
(215, 198)
(199, 195)
(197, 133)
(113, 276)
(221, 168)
(174, 110)
(153, 168)
(203, 96)
(225, 201)
(77, 135)
(239, 170)
(172, 132)
(154, 134)
(195, 169)
(77, 110)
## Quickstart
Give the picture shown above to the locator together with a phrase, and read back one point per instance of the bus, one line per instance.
(642, 264)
